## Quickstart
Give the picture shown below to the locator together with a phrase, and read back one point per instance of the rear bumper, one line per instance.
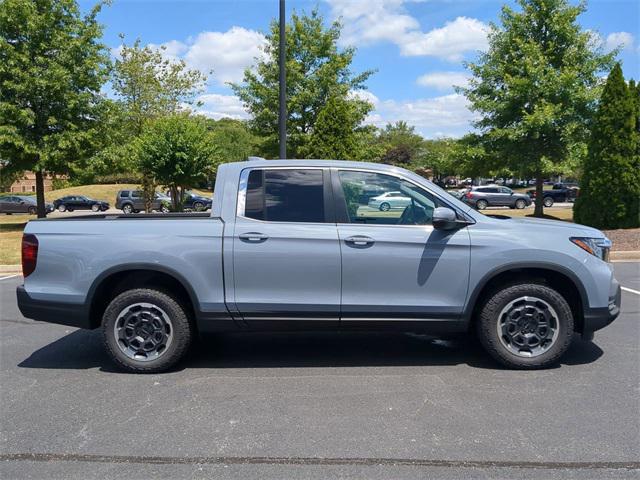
(597, 318)
(70, 314)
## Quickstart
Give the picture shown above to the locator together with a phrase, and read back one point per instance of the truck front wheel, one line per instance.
(146, 331)
(526, 326)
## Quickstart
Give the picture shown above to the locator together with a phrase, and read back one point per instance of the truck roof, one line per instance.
(296, 162)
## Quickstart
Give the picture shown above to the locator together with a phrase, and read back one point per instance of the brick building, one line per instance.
(28, 183)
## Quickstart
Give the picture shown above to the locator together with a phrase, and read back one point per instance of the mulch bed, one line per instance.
(624, 240)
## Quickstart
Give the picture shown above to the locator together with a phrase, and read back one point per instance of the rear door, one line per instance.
(286, 254)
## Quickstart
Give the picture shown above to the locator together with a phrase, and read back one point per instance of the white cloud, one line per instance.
(171, 50)
(219, 106)
(447, 115)
(386, 20)
(450, 42)
(624, 40)
(365, 95)
(443, 80)
(227, 54)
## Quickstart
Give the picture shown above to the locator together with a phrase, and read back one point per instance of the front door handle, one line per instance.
(359, 241)
(253, 237)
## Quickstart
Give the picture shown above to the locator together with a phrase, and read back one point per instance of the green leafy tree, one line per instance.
(536, 88)
(334, 133)
(148, 86)
(234, 139)
(402, 144)
(177, 151)
(52, 66)
(610, 188)
(316, 71)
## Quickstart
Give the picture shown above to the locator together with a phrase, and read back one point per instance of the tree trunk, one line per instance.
(148, 191)
(539, 207)
(42, 212)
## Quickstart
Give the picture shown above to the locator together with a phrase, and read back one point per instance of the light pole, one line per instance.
(282, 116)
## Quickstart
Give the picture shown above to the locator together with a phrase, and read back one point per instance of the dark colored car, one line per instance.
(495, 196)
(79, 202)
(21, 204)
(193, 201)
(132, 201)
(561, 192)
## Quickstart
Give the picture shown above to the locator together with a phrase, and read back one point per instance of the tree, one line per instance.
(52, 66)
(536, 88)
(233, 138)
(177, 151)
(334, 134)
(149, 86)
(610, 189)
(316, 71)
(402, 142)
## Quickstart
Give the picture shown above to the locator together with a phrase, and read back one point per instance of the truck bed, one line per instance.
(75, 252)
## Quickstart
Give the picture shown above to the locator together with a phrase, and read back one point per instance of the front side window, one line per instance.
(285, 195)
(376, 198)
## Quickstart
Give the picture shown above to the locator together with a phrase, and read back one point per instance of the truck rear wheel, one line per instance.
(526, 326)
(146, 331)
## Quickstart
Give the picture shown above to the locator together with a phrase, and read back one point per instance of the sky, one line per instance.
(417, 47)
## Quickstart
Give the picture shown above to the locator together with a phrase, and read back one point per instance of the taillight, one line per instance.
(468, 195)
(29, 254)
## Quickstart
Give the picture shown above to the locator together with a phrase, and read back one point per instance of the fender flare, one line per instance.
(474, 295)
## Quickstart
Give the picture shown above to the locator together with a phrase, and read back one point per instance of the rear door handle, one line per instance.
(359, 241)
(253, 237)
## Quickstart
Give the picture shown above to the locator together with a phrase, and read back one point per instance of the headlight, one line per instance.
(599, 247)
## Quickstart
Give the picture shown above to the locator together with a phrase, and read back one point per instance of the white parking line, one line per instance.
(10, 276)
(630, 290)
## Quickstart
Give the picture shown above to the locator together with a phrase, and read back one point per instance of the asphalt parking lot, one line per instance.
(318, 406)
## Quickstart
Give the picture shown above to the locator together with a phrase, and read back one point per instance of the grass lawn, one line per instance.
(564, 214)
(11, 227)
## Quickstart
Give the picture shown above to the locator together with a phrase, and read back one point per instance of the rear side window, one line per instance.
(136, 194)
(285, 195)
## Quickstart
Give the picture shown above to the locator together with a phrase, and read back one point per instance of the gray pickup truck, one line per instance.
(292, 245)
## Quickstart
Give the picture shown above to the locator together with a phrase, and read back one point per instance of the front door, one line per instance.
(395, 266)
(286, 254)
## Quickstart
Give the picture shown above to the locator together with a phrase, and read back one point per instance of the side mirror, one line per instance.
(444, 219)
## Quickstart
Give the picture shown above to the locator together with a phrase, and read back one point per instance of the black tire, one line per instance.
(95, 207)
(62, 207)
(487, 326)
(181, 330)
(127, 209)
(198, 206)
(482, 204)
(547, 202)
(32, 210)
(385, 207)
(520, 204)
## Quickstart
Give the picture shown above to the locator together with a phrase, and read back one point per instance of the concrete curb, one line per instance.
(10, 269)
(625, 255)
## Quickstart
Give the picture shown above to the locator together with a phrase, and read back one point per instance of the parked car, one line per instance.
(559, 193)
(132, 201)
(495, 196)
(389, 200)
(79, 202)
(21, 204)
(193, 201)
(285, 249)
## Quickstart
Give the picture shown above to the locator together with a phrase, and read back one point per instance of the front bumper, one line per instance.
(70, 314)
(597, 318)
